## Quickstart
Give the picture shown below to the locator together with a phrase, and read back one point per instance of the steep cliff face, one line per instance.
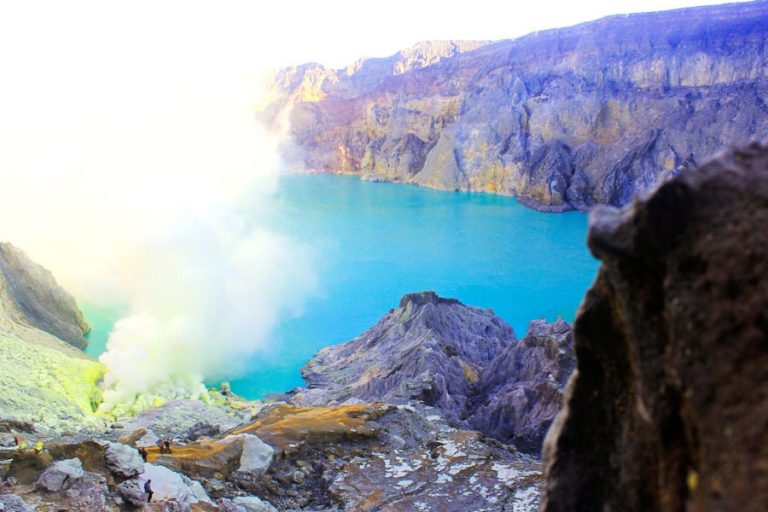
(464, 362)
(30, 295)
(44, 379)
(667, 408)
(561, 119)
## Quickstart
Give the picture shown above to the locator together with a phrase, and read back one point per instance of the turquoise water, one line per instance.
(374, 242)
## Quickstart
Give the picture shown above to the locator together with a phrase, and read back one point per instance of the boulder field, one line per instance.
(562, 119)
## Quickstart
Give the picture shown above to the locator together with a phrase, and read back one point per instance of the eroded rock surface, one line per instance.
(667, 409)
(46, 380)
(463, 361)
(30, 295)
(563, 119)
(520, 392)
(428, 349)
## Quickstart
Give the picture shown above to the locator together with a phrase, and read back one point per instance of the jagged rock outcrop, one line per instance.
(461, 360)
(520, 392)
(562, 119)
(29, 295)
(428, 349)
(46, 379)
(667, 408)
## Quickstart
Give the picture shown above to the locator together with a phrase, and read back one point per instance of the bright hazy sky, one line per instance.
(278, 32)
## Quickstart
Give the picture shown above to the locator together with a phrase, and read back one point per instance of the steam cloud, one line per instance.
(132, 167)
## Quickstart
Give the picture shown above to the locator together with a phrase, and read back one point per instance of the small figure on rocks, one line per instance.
(161, 444)
(148, 490)
(16, 440)
(167, 445)
(143, 453)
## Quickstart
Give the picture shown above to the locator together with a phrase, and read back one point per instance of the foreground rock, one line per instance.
(463, 361)
(562, 118)
(667, 409)
(351, 457)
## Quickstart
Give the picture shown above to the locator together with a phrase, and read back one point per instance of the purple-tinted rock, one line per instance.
(463, 361)
(429, 349)
(562, 119)
(520, 391)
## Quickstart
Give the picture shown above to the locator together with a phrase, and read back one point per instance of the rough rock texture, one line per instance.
(45, 380)
(376, 457)
(12, 503)
(253, 504)
(429, 349)
(122, 460)
(461, 360)
(61, 473)
(561, 118)
(350, 457)
(520, 392)
(133, 492)
(30, 295)
(668, 407)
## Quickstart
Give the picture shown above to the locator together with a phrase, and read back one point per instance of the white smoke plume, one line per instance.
(130, 156)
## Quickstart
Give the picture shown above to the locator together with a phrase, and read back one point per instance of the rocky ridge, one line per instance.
(463, 361)
(667, 407)
(29, 295)
(44, 379)
(563, 119)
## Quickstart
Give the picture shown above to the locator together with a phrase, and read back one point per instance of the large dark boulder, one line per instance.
(668, 407)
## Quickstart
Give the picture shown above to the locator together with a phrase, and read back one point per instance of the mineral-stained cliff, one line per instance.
(463, 361)
(44, 379)
(668, 407)
(561, 119)
(30, 295)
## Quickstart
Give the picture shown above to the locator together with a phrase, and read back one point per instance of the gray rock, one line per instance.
(562, 119)
(12, 503)
(463, 361)
(253, 504)
(133, 492)
(86, 494)
(428, 349)
(61, 474)
(123, 460)
(256, 455)
(520, 392)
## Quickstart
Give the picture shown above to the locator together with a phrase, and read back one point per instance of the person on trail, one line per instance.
(16, 440)
(167, 445)
(143, 453)
(161, 444)
(148, 490)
